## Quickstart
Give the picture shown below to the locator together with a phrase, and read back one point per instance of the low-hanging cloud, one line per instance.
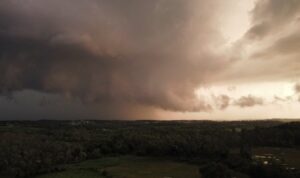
(297, 88)
(222, 102)
(248, 101)
(114, 53)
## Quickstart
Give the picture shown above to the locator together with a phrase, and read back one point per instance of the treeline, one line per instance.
(285, 135)
(31, 148)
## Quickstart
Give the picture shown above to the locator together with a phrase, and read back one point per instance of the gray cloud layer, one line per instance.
(114, 53)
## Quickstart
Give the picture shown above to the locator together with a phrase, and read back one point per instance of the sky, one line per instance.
(158, 59)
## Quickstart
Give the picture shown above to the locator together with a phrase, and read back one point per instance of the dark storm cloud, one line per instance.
(119, 54)
(248, 101)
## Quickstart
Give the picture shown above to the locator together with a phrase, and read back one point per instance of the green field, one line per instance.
(127, 167)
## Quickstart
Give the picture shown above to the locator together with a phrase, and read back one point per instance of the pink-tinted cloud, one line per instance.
(248, 101)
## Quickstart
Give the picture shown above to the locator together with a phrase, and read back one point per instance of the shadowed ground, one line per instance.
(128, 167)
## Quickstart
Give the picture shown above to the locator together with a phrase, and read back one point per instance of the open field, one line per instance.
(128, 167)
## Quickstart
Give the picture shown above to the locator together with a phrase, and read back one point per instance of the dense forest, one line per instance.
(220, 149)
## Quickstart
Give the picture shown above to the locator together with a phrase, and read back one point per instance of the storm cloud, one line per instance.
(133, 59)
(114, 53)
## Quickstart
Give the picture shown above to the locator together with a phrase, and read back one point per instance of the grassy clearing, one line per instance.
(128, 167)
